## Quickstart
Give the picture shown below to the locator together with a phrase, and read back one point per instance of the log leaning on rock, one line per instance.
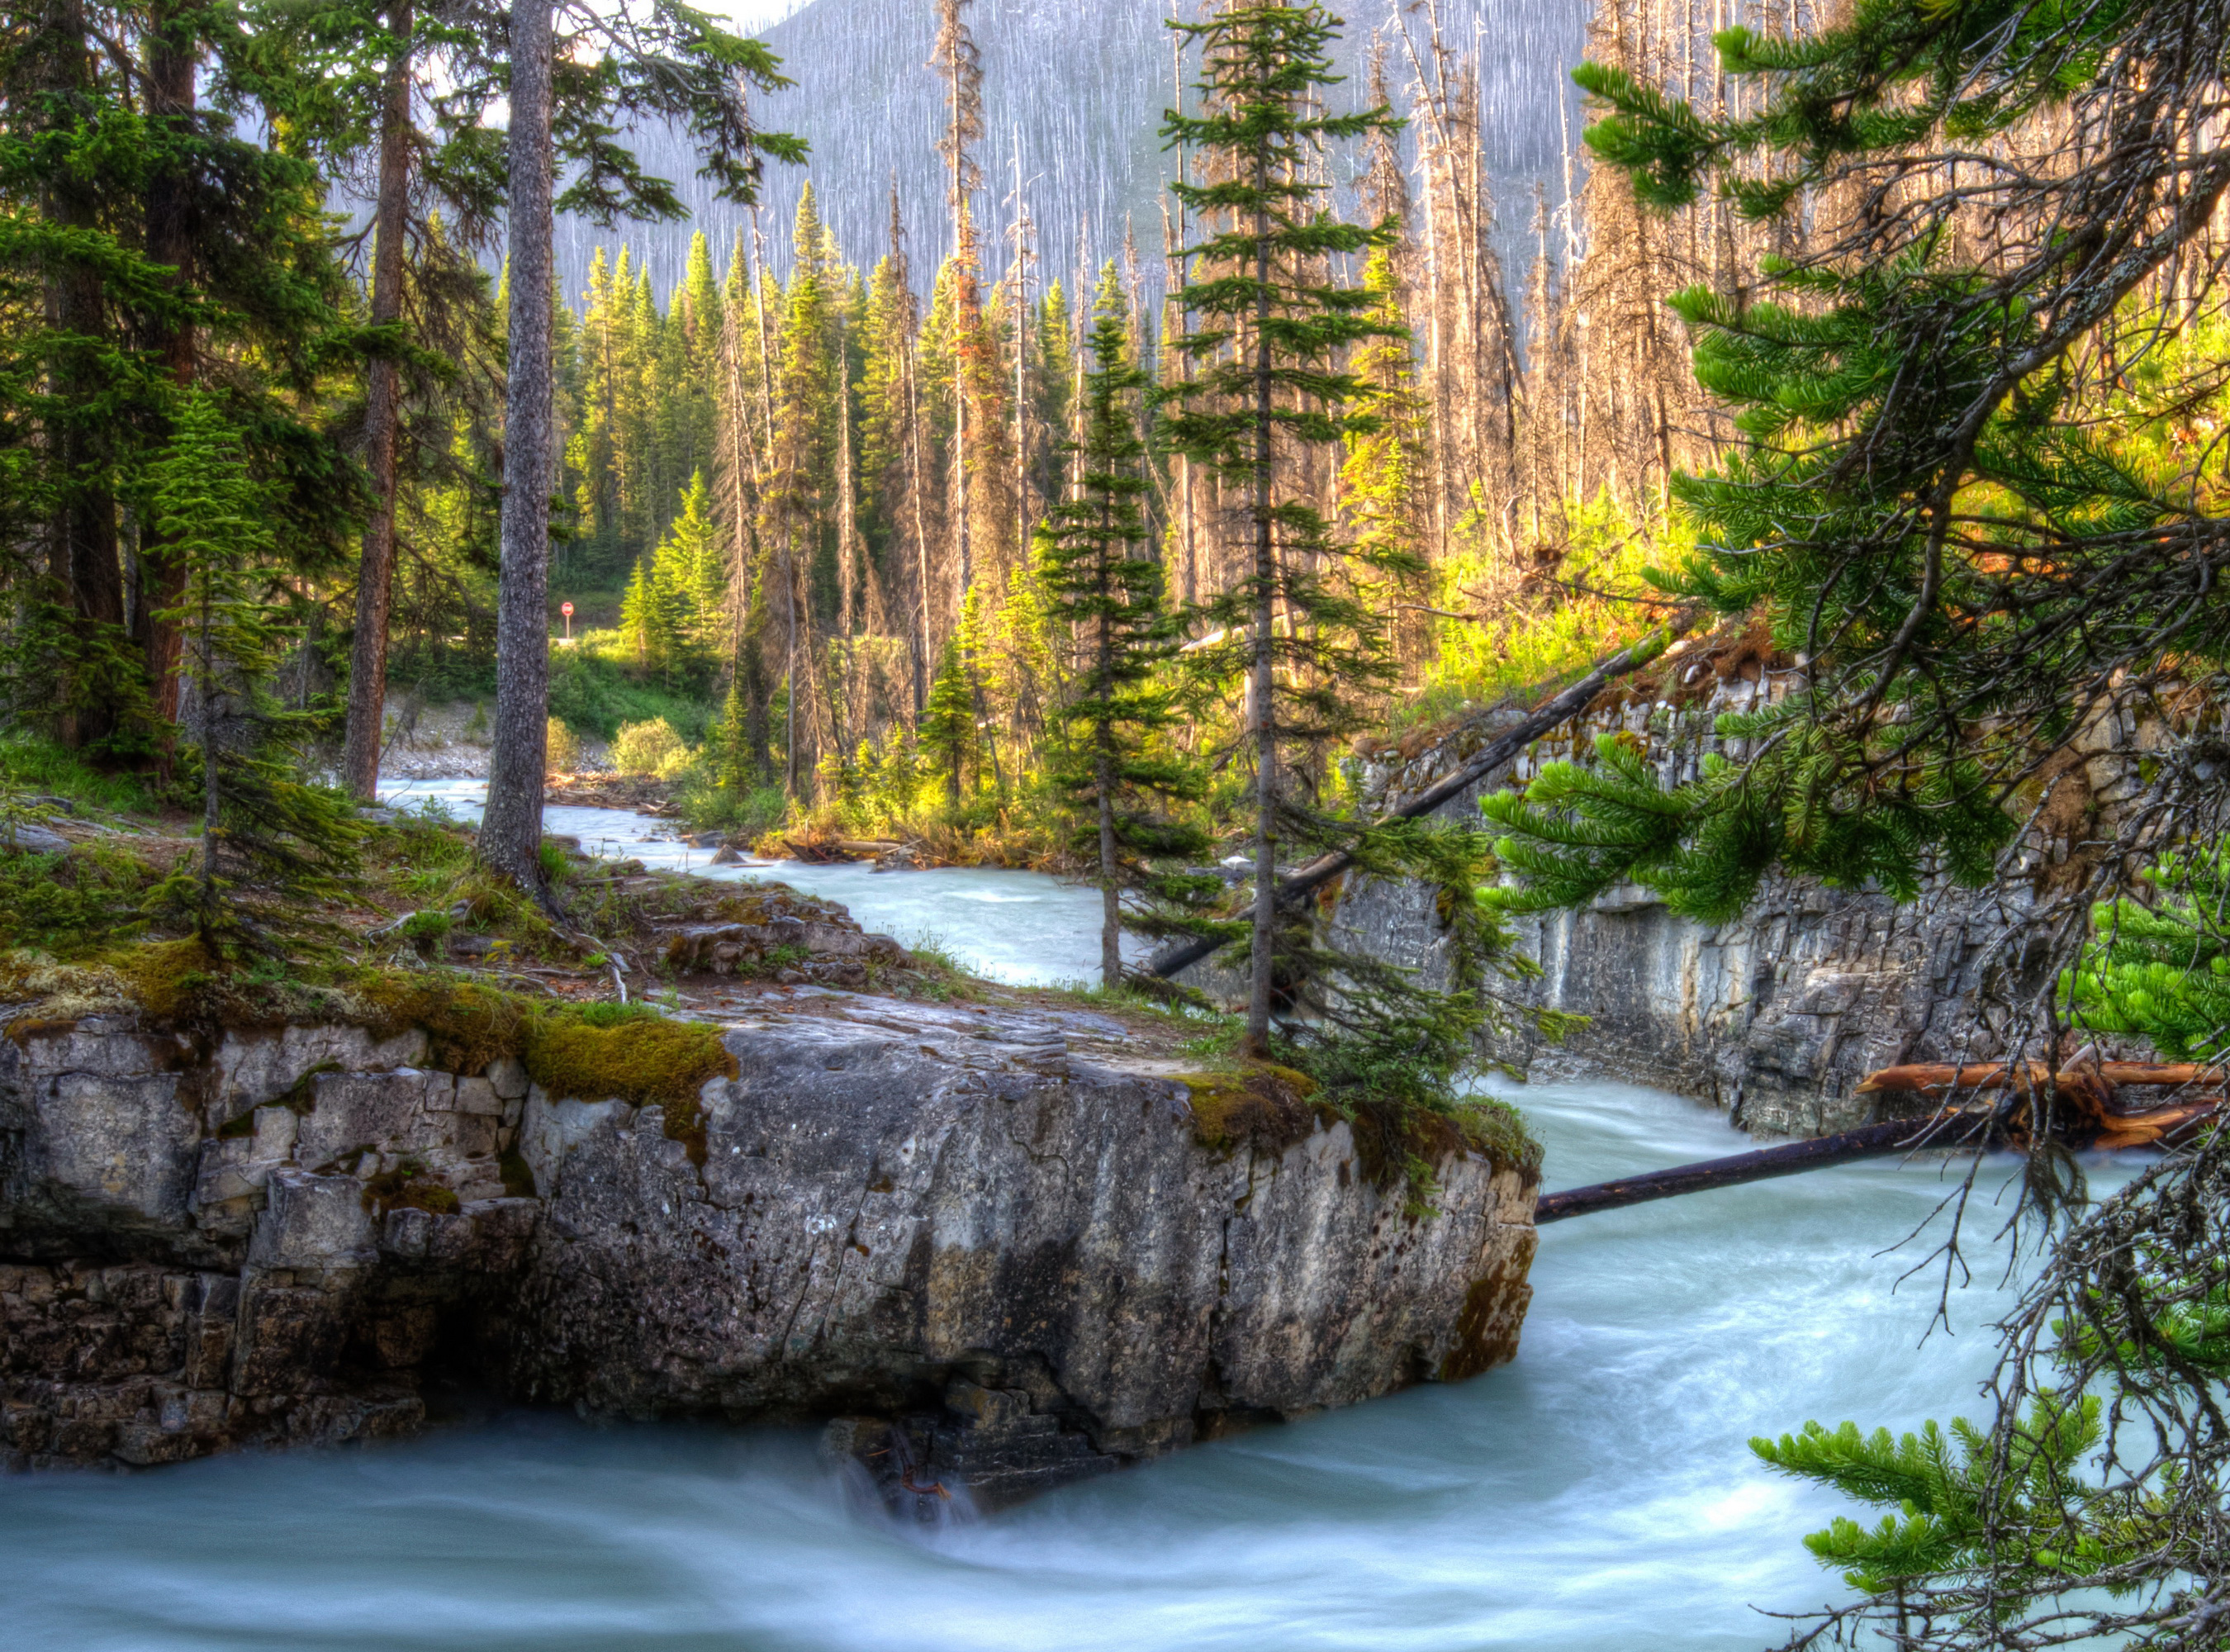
(2087, 1117)
(1489, 757)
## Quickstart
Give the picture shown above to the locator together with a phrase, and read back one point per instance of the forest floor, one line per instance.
(78, 880)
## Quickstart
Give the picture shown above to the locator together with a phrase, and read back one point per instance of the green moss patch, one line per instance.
(468, 1025)
(1262, 1107)
(633, 1052)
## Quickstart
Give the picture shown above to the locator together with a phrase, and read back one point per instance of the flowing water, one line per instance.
(1018, 926)
(1596, 1494)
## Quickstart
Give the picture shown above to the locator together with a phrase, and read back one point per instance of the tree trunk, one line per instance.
(171, 56)
(1870, 1141)
(511, 831)
(82, 546)
(381, 413)
(1265, 709)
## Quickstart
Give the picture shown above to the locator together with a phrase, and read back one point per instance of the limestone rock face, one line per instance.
(1777, 1015)
(988, 1243)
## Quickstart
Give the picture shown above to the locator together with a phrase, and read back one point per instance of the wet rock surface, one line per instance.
(986, 1242)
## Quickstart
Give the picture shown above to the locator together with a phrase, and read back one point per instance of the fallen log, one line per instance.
(1868, 1141)
(1570, 703)
(2157, 1128)
(2000, 1075)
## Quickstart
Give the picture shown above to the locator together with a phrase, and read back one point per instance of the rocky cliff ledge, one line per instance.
(985, 1243)
(1776, 1016)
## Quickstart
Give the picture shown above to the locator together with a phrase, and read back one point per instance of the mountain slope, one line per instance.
(1084, 84)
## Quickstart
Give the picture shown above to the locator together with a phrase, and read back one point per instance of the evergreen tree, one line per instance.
(1107, 591)
(1925, 501)
(264, 834)
(1267, 335)
(948, 733)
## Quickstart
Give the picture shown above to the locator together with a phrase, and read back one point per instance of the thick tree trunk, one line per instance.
(172, 55)
(511, 831)
(382, 414)
(82, 546)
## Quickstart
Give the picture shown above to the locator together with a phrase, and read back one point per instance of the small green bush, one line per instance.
(653, 747)
(564, 751)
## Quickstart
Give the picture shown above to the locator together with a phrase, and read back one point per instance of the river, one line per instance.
(1596, 1494)
(1018, 926)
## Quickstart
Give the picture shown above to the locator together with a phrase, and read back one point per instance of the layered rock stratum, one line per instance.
(980, 1244)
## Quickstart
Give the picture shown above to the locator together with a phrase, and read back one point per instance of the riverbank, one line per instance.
(1595, 1494)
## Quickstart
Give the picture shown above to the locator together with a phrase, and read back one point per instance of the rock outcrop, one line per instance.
(986, 1244)
(1778, 1015)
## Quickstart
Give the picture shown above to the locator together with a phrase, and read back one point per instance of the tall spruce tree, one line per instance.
(1095, 553)
(1266, 348)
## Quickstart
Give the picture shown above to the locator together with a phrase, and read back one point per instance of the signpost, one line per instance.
(566, 609)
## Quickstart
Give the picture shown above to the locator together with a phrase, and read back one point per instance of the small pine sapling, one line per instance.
(269, 842)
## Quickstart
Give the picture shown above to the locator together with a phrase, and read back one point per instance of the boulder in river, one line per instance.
(997, 1243)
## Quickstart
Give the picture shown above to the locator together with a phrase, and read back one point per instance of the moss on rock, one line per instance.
(633, 1052)
(1263, 1107)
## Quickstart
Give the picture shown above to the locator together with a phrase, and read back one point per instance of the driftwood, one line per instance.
(2088, 1112)
(1870, 1141)
(1999, 1075)
(1298, 884)
(2086, 1116)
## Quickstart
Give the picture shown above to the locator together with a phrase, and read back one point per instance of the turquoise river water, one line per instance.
(1596, 1494)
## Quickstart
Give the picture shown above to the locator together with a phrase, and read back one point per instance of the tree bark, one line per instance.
(1265, 722)
(510, 830)
(382, 414)
(172, 55)
(82, 544)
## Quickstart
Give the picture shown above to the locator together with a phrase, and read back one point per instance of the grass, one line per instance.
(594, 689)
(32, 763)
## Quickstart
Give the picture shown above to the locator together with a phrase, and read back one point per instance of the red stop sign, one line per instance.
(566, 609)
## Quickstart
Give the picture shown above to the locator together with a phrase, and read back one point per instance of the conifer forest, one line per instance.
(1722, 460)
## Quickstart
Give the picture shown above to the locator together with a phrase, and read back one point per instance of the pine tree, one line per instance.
(2161, 969)
(1107, 591)
(1266, 338)
(1885, 384)
(948, 731)
(267, 841)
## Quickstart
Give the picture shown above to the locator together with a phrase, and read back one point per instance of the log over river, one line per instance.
(1596, 1494)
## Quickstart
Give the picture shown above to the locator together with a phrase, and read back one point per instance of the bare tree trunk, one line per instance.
(375, 586)
(511, 831)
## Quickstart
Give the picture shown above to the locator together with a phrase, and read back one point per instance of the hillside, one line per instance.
(1084, 83)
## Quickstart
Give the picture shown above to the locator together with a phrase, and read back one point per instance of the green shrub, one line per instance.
(564, 751)
(652, 747)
